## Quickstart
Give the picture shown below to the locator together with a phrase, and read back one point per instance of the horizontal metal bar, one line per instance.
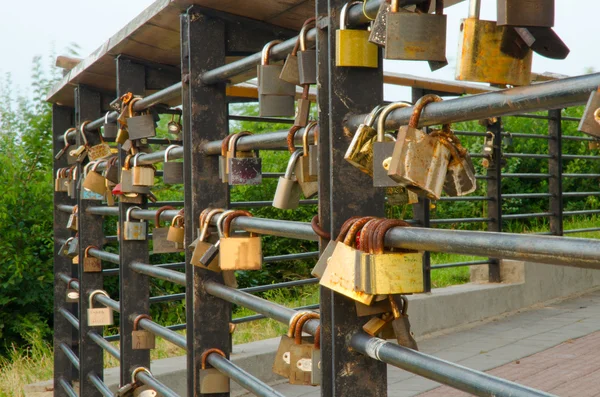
(591, 229)
(108, 302)
(459, 220)
(567, 118)
(531, 116)
(255, 119)
(105, 256)
(65, 208)
(528, 176)
(241, 377)
(527, 156)
(176, 265)
(584, 212)
(286, 284)
(100, 385)
(524, 216)
(290, 257)
(580, 194)
(579, 157)
(527, 136)
(430, 367)
(163, 332)
(460, 264)
(104, 344)
(256, 317)
(590, 176)
(67, 387)
(163, 203)
(290, 229)
(176, 327)
(469, 133)
(526, 196)
(259, 305)
(70, 355)
(465, 198)
(268, 141)
(258, 204)
(161, 273)
(155, 384)
(576, 138)
(167, 298)
(70, 317)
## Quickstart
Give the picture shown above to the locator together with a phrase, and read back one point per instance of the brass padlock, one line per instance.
(281, 365)
(72, 221)
(243, 170)
(141, 390)
(287, 194)
(99, 316)
(377, 324)
(96, 152)
(275, 96)
(143, 175)
(142, 339)
(141, 126)
(360, 151)
(72, 184)
(401, 324)
(590, 123)
(460, 176)
(110, 129)
(383, 148)
(307, 59)
(379, 24)
(90, 263)
(175, 127)
(301, 354)
(480, 57)
(538, 13)
(308, 183)
(126, 183)
(419, 161)
(212, 380)
(111, 172)
(205, 242)
(160, 244)
(319, 268)
(416, 36)
(72, 295)
(352, 46)
(133, 230)
(92, 180)
(313, 152)
(239, 253)
(172, 171)
(59, 182)
(176, 231)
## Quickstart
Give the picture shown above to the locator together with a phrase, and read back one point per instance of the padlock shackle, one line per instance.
(97, 163)
(266, 51)
(130, 106)
(94, 293)
(177, 219)
(136, 321)
(168, 149)
(206, 354)
(220, 222)
(293, 321)
(419, 106)
(307, 129)
(128, 213)
(86, 167)
(137, 371)
(300, 325)
(290, 138)
(75, 209)
(127, 162)
(382, 229)
(597, 115)
(345, 227)
(66, 136)
(225, 144)
(159, 212)
(71, 280)
(371, 117)
(88, 248)
(350, 239)
(135, 158)
(205, 223)
(366, 234)
(234, 139)
(344, 13)
(383, 116)
(106, 117)
(314, 223)
(308, 23)
(318, 338)
(230, 217)
(292, 163)
(474, 9)
(82, 131)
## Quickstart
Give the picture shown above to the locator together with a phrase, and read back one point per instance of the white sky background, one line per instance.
(47, 25)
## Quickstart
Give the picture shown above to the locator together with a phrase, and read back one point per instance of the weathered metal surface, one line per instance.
(588, 124)
(555, 168)
(525, 13)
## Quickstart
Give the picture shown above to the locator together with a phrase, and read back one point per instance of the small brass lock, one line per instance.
(133, 230)
(160, 244)
(212, 380)
(239, 253)
(142, 339)
(383, 149)
(98, 317)
(90, 263)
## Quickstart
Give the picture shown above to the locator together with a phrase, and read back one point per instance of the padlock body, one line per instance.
(390, 273)
(270, 84)
(588, 124)
(202, 248)
(302, 112)
(276, 106)
(539, 13)
(378, 28)
(419, 162)
(281, 364)
(240, 253)
(89, 195)
(127, 185)
(353, 49)
(95, 182)
(72, 295)
(142, 340)
(132, 198)
(99, 316)
(399, 195)
(415, 37)
(92, 265)
(309, 189)
(141, 127)
(134, 230)
(245, 171)
(160, 244)
(287, 195)
(212, 381)
(379, 307)
(143, 176)
(382, 153)
(301, 363)
(176, 234)
(313, 161)
(223, 169)
(360, 151)
(319, 268)
(73, 248)
(307, 67)
(460, 177)
(110, 130)
(100, 151)
(72, 222)
(302, 170)
(403, 334)
(480, 58)
(112, 173)
(290, 72)
(374, 326)
(173, 173)
(316, 375)
(144, 391)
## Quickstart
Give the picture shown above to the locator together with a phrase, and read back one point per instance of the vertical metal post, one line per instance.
(494, 191)
(88, 106)
(205, 119)
(555, 167)
(133, 287)
(62, 119)
(422, 214)
(350, 90)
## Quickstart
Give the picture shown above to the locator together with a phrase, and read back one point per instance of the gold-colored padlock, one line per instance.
(140, 338)
(100, 316)
(239, 253)
(211, 379)
(90, 263)
(281, 365)
(176, 230)
(302, 353)
(160, 243)
(352, 46)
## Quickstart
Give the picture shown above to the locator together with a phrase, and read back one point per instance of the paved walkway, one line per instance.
(572, 368)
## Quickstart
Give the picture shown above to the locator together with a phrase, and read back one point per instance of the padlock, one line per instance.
(480, 57)
(96, 152)
(97, 179)
(223, 159)
(319, 268)
(133, 230)
(303, 109)
(287, 195)
(360, 151)
(313, 152)
(175, 127)
(141, 126)
(109, 129)
(160, 244)
(99, 316)
(507, 140)
(379, 24)
(143, 175)
(543, 41)
(72, 184)
(416, 36)
(281, 364)
(243, 170)
(381, 272)
(276, 96)
(90, 263)
(176, 233)
(92, 180)
(589, 122)
(488, 149)
(72, 221)
(141, 390)
(72, 294)
(401, 325)
(352, 46)
(383, 148)
(79, 154)
(127, 185)
(419, 161)
(289, 72)
(303, 165)
(377, 324)
(212, 380)
(301, 354)
(122, 134)
(239, 252)
(142, 339)
(525, 13)
(111, 173)
(59, 181)
(203, 244)
(307, 59)
(66, 146)
(460, 176)
(172, 171)
(73, 247)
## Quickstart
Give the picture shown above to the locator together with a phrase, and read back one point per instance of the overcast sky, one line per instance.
(50, 25)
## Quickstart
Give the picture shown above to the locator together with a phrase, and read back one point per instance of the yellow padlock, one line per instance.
(353, 48)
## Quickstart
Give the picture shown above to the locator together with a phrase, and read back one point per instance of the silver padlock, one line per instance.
(133, 230)
(589, 124)
(73, 247)
(383, 149)
(287, 195)
(307, 59)
(243, 170)
(172, 171)
(460, 177)
(110, 129)
(141, 126)
(72, 295)
(276, 97)
(101, 316)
